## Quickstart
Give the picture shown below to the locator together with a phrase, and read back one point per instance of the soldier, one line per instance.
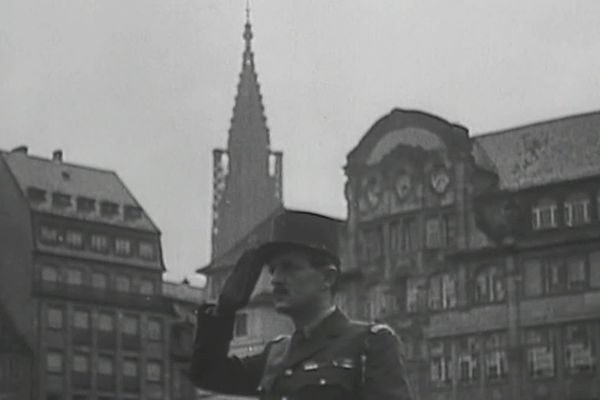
(328, 356)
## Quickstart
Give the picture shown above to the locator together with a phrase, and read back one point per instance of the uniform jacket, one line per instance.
(341, 359)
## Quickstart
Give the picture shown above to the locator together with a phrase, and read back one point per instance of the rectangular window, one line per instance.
(540, 352)
(109, 209)
(61, 200)
(49, 274)
(123, 247)
(154, 329)
(579, 348)
(55, 318)
(396, 237)
(123, 283)
(496, 360)
(468, 359)
(241, 325)
(99, 280)
(86, 204)
(440, 362)
(50, 234)
(81, 319)
(442, 291)
(544, 216)
(106, 322)
(532, 279)
(433, 233)
(576, 273)
(577, 212)
(449, 225)
(36, 195)
(146, 251)
(132, 213)
(105, 365)
(54, 362)
(410, 235)
(153, 371)
(74, 239)
(99, 243)
(146, 287)
(129, 325)
(130, 368)
(74, 277)
(81, 363)
(595, 269)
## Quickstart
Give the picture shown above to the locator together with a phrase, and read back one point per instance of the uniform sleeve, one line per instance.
(211, 367)
(384, 368)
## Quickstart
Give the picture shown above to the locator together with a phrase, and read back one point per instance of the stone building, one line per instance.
(81, 277)
(482, 251)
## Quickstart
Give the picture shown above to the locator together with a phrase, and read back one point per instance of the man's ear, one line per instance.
(331, 275)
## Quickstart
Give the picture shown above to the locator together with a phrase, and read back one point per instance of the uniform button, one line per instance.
(322, 381)
(288, 372)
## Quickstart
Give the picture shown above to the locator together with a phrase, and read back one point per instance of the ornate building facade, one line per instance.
(482, 251)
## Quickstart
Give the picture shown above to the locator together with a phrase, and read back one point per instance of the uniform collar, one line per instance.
(310, 328)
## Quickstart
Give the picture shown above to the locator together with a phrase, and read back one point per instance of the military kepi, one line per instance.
(303, 229)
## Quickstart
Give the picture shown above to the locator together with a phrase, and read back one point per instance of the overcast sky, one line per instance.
(146, 87)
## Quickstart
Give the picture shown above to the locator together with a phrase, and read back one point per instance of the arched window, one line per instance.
(489, 285)
(577, 209)
(543, 214)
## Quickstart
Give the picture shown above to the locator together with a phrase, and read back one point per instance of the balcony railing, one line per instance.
(91, 294)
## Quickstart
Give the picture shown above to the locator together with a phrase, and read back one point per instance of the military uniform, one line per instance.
(336, 359)
(340, 359)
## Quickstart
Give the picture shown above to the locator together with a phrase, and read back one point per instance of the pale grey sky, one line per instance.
(146, 87)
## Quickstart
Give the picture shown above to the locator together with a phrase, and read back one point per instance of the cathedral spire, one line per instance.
(250, 189)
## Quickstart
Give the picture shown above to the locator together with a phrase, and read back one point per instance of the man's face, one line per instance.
(296, 283)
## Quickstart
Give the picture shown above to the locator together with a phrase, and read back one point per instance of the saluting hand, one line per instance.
(240, 284)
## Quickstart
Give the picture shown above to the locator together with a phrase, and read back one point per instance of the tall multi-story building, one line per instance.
(247, 193)
(85, 270)
(482, 251)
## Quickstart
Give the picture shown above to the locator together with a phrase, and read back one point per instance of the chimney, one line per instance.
(57, 155)
(20, 149)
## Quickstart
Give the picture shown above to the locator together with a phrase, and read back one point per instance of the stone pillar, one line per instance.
(515, 356)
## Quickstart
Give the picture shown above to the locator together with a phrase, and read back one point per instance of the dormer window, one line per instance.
(132, 213)
(36, 195)
(61, 200)
(109, 209)
(85, 204)
(543, 214)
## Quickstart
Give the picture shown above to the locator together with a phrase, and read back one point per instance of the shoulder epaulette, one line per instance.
(279, 338)
(381, 328)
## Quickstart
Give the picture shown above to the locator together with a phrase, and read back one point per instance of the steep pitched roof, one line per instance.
(543, 153)
(74, 180)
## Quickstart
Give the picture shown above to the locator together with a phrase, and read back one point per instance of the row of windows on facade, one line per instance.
(404, 236)
(98, 280)
(97, 242)
(105, 365)
(84, 205)
(571, 347)
(105, 322)
(576, 212)
(549, 276)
